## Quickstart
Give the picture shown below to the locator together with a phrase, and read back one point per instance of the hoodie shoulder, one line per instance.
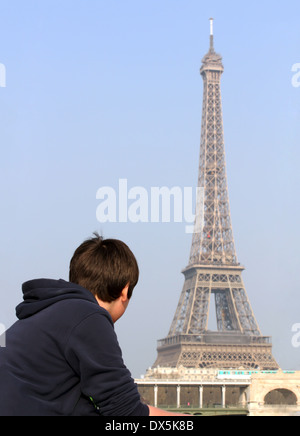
(41, 294)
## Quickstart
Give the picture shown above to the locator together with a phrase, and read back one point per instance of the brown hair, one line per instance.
(104, 267)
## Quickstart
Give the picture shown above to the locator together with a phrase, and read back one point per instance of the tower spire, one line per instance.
(211, 35)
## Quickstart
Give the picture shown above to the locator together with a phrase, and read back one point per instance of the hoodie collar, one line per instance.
(42, 293)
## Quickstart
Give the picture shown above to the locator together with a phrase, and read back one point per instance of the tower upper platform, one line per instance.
(212, 61)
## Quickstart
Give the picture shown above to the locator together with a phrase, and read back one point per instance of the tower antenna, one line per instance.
(211, 34)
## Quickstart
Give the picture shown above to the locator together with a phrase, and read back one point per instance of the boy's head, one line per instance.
(105, 268)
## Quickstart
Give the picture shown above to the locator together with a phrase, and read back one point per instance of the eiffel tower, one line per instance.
(214, 274)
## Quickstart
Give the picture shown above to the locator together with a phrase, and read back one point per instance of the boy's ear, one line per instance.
(124, 293)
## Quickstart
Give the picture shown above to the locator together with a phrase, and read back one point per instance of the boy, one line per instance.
(62, 356)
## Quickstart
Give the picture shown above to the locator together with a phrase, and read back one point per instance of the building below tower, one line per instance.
(218, 392)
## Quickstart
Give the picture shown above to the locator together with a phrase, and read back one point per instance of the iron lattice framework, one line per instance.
(213, 266)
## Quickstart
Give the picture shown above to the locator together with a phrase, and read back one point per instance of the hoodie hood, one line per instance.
(42, 293)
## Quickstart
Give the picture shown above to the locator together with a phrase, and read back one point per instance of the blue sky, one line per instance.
(102, 90)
